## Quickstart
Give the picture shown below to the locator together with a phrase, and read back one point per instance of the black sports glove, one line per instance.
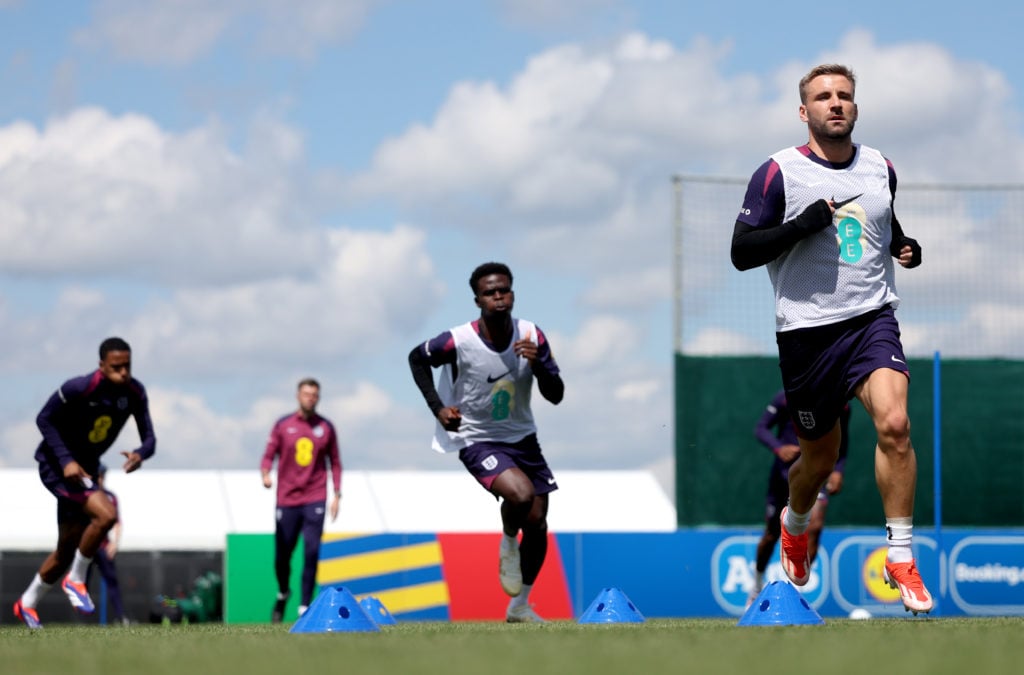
(815, 218)
(898, 243)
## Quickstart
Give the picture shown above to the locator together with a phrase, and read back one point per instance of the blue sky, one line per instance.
(255, 191)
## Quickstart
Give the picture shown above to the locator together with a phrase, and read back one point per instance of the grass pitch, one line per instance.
(975, 646)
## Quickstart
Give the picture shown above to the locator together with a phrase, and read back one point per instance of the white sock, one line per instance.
(520, 599)
(302, 609)
(900, 534)
(796, 523)
(79, 568)
(35, 590)
(509, 542)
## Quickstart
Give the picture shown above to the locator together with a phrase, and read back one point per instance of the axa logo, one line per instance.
(733, 574)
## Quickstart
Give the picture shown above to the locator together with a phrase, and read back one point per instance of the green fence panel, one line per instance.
(722, 471)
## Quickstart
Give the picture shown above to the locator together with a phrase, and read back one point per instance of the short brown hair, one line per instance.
(826, 69)
(308, 382)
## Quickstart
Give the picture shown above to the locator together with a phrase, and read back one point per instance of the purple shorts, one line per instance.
(71, 495)
(487, 460)
(822, 366)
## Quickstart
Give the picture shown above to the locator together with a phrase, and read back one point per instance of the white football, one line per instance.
(859, 613)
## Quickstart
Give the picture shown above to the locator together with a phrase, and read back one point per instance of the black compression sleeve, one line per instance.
(756, 246)
(551, 386)
(897, 235)
(424, 378)
(899, 240)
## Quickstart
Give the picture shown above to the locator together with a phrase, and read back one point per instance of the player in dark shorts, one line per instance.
(80, 422)
(820, 218)
(776, 432)
(483, 412)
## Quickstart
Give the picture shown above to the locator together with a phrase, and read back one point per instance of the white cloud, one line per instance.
(93, 195)
(617, 409)
(601, 341)
(629, 290)
(485, 139)
(158, 32)
(637, 392)
(178, 32)
(581, 122)
(19, 440)
(191, 435)
(714, 341)
(984, 330)
(369, 287)
(375, 430)
(961, 232)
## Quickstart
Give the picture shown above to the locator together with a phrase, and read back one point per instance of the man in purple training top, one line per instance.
(80, 422)
(304, 443)
(820, 218)
(483, 412)
(776, 432)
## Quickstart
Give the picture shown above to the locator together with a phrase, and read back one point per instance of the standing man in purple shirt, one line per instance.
(304, 443)
(776, 432)
(483, 412)
(820, 217)
(80, 422)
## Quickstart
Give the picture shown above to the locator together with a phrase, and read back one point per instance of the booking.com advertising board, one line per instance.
(687, 573)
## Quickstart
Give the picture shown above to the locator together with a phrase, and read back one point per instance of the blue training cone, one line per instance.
(335, 610)
(612, 606)
(376, 610)
(780, 604)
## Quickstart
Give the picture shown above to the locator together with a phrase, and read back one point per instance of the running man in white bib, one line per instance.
(820, 217)
(482, 408)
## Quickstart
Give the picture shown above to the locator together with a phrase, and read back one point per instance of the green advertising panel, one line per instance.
(250, 586)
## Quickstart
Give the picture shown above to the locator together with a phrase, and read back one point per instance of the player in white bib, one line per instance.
(482, 409)
(820, 217)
